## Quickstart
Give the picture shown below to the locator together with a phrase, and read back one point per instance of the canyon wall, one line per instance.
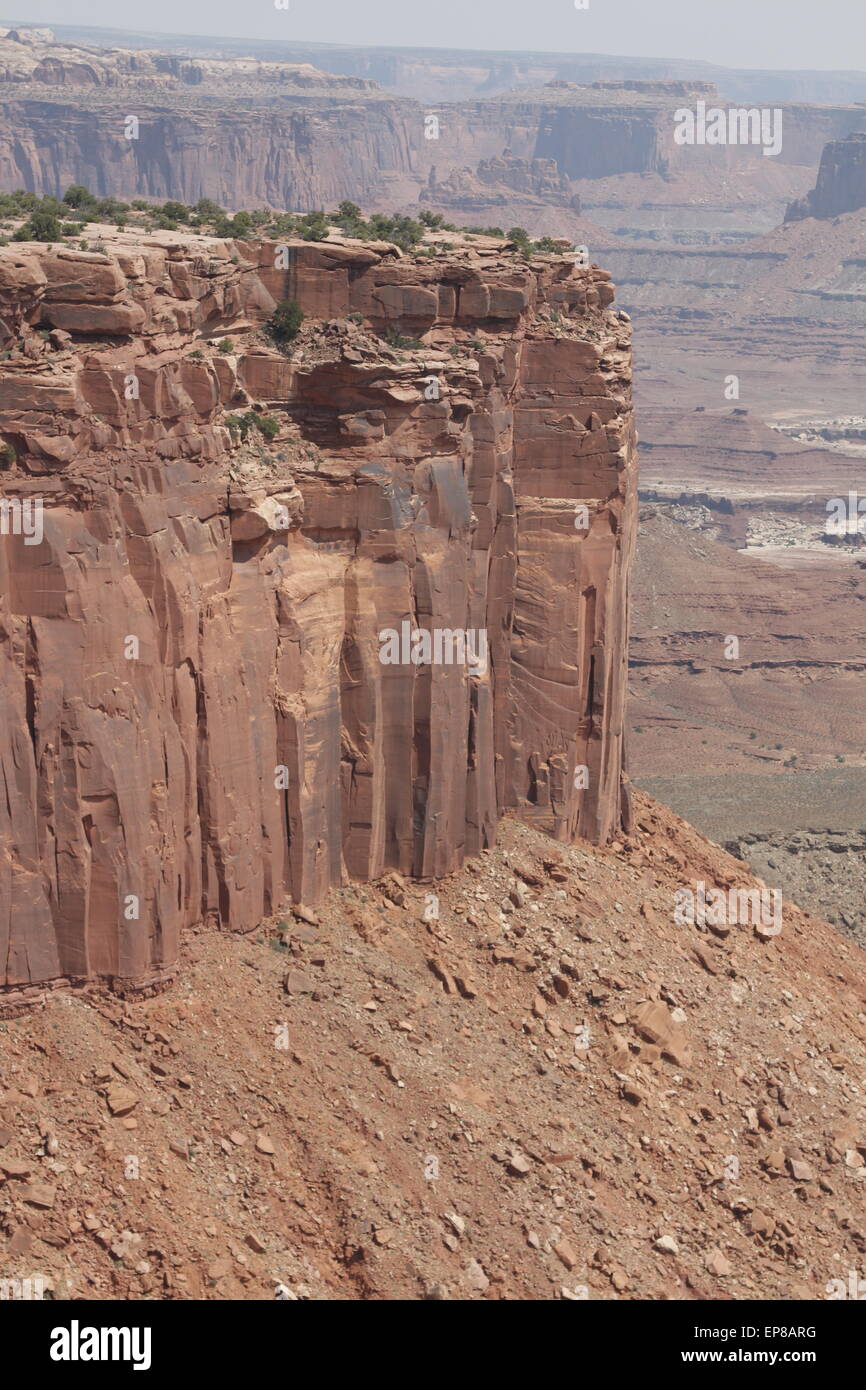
(306, 152)
(199, 718)
(246, 133)
(297, 156)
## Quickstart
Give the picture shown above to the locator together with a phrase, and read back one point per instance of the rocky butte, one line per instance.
(197, 717)
(841, 185)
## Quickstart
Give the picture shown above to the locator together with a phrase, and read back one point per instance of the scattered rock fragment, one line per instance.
(18, 1168)
(476, 1277)
(564, 1251)
(718, 1264)
(39, 1194)
(120, 1100)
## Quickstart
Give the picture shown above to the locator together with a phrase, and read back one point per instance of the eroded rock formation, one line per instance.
(197, 717)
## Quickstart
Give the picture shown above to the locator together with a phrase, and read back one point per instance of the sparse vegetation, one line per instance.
(41, 226)
(241, 425)
(405, 232)
(314, 227)
(235, 228)
(79, 206)
(520, 237)
(481, 231)
(396, 340)
(177, 212)
(284, 325)
(268, 426)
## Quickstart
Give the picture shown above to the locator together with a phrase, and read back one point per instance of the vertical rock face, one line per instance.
(294, 154)
(841, 185)
(235, 668)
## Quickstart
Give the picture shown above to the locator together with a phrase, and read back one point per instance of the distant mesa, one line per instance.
(29, 36)
(34, 56)
(657, 89)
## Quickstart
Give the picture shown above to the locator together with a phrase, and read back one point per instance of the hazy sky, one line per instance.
(740, 33)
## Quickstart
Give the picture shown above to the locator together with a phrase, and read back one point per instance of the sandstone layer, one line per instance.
(198, 718)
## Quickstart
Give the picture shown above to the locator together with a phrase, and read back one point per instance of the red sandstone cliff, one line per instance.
(198, 721)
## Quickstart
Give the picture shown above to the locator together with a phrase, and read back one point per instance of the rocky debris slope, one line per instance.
(841, 185)
(535, 1086)
(201, 717)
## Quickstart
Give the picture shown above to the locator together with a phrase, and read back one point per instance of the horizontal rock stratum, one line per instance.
(206, 539)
